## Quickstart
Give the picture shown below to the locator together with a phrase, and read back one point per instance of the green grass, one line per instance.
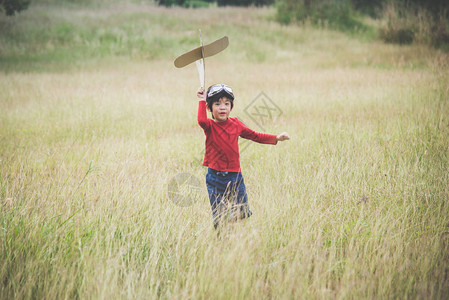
(95, 121)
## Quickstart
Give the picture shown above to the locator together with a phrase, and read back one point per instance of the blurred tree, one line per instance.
(169, 3)
(10, 7)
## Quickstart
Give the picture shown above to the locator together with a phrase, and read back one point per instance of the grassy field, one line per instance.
(95, 122)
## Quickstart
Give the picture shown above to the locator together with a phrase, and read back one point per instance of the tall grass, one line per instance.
(353, 206)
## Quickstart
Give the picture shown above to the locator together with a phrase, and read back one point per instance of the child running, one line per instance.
(225, 185)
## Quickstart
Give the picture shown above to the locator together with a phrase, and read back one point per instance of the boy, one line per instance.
(225, 185)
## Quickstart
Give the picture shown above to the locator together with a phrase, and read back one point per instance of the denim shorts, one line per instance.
(227, 196)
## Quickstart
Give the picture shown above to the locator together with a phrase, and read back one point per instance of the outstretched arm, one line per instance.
(263, 138)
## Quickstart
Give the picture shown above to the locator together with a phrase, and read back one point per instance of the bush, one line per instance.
(406, 23)
(400, 24)
(397, 35)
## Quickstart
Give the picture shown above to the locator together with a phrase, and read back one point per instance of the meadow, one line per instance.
(96, 123)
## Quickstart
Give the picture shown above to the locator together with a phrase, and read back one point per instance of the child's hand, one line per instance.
(283, 136)
(201, 94)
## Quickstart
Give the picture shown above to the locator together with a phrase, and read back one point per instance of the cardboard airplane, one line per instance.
(198, 54)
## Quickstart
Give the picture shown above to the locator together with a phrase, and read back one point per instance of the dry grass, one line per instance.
(353, 206)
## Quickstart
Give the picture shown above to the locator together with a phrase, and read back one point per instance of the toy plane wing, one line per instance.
(202, 52)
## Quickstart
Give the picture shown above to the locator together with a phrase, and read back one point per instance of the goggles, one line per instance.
(217, 88)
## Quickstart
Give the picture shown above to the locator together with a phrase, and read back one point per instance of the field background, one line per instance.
(95, 121)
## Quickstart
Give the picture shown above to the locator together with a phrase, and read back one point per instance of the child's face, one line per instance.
(221, 109)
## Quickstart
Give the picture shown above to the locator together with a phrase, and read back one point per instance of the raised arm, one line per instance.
(203, 121)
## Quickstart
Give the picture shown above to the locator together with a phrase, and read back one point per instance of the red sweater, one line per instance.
(222, 148)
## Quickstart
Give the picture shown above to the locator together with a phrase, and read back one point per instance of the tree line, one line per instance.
(405, 21)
